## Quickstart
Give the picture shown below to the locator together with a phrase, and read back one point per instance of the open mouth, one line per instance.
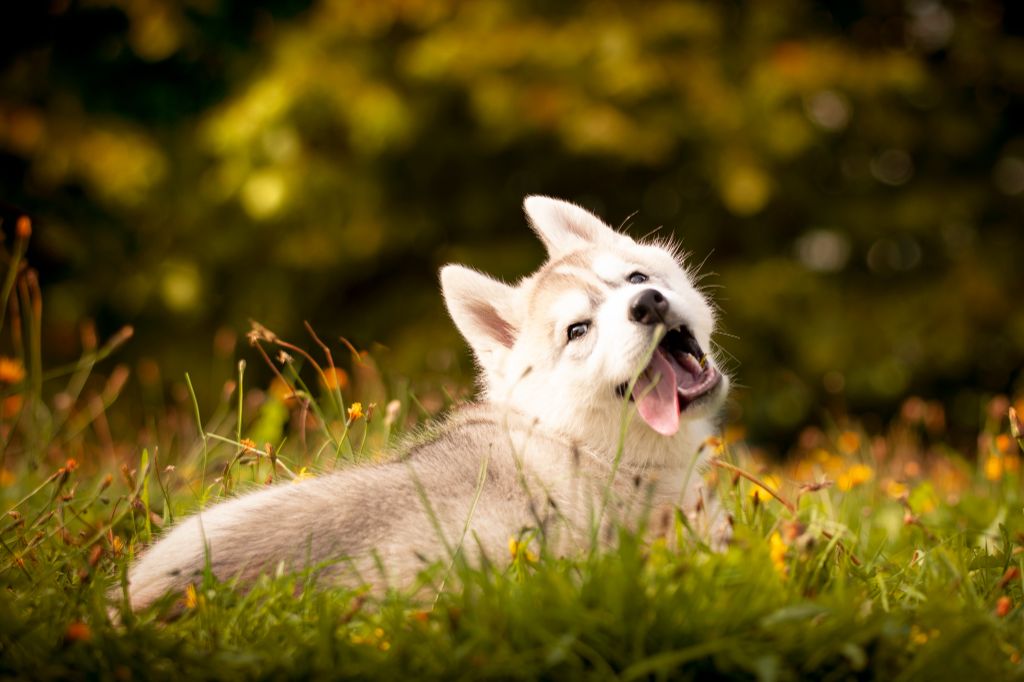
(678, 376)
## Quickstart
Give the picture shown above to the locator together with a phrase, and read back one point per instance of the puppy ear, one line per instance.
(483, 310)
(565, 227)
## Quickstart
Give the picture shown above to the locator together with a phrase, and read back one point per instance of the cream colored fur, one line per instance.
(550, 446)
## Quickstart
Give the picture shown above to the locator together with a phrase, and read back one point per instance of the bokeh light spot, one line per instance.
(1009, 175)
(263, 194)
(745, 189)
(892, 167)
(828, 109)
(180, 285)
(823, 250)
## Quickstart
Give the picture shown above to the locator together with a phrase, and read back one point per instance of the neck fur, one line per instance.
(616, 435)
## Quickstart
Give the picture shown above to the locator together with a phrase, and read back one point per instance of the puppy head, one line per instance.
(605, 321)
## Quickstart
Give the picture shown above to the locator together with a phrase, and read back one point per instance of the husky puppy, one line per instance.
(597, 394)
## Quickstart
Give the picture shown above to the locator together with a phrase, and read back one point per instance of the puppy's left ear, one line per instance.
(484, 311)
(565, 227)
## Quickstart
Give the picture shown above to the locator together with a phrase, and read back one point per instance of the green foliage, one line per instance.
(853, 172)
(854, 175)
(908, 567)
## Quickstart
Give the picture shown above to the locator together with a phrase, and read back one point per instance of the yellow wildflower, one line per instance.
(759, 492)
(715, 444)
(895, 489)
(855, 476)
(355, 411)
(993, 468)
(777, 550)
(11, 370)
(734, 434)
(830, 463)
(191, 599)
(517, 549)
(302, 475)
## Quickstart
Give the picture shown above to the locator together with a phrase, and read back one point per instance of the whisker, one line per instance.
(625, 222)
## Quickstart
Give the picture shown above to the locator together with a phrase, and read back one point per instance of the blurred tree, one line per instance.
(854, 172)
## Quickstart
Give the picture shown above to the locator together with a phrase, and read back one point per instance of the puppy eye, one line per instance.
(637, 278)
(577, 330)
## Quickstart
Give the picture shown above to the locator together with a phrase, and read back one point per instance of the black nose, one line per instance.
(649, 307)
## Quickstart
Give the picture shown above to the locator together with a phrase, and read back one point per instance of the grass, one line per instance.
(886, 556)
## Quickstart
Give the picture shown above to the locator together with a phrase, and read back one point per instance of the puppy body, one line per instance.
(596, 400)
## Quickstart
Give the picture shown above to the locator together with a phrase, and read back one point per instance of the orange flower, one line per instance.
(23, 228)
(335, 378)
(1003, 606)
(355, 411)
(77, 632)
(1004, 444)
(11, 406)
(848, 442)
(1011, 463)
(281, 390)
(855, 476)
(11, 370)
(993, 468)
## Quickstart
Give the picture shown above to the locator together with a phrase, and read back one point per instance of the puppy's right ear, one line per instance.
(483, 309)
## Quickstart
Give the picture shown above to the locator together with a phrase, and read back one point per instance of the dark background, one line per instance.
(852, 173)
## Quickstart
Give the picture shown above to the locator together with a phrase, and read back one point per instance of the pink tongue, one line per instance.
(658, 404)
